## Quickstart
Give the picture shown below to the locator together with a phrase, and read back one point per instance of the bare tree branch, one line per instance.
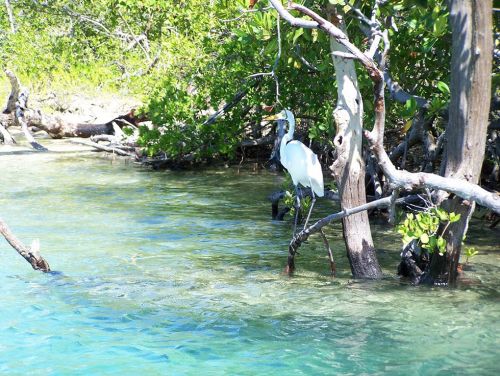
(10, 15)
(398, 94)
(236, 99)
(30, 254)
(303, 235)
(21, 106)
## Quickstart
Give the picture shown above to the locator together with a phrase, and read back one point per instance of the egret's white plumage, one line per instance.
(302, 164)
(300, 161)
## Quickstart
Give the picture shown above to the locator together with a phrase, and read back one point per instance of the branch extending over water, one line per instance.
(303, 235)
(30, 254)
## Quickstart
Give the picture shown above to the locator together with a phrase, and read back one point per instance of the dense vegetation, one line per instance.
(187, 59)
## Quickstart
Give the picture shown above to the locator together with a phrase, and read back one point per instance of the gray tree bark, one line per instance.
(349, 167)
(471, 65)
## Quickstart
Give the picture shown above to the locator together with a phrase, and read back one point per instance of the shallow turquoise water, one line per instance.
(180, 273)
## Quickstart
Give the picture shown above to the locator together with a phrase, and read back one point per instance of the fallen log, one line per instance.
(55, 126)
(58, 128)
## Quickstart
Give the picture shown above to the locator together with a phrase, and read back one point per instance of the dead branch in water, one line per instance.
(30, 254)
(16, 112)
(303, 235)
(21, 106)
(7, 138)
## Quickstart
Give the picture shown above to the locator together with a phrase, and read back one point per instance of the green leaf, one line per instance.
(432, 242)
(424, 238)
(441, 244)
(440, 25)
(297, 35)
(410, 107)
(443, 87)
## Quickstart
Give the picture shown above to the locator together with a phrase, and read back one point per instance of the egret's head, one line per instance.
(286, 115)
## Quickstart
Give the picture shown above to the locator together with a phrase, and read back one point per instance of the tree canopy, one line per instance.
(190, 58)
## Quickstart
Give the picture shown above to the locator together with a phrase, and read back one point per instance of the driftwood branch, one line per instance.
(114, 149)
(30, 254)
(15, 87)
(386, 202)
(7, 138)
(21, 106)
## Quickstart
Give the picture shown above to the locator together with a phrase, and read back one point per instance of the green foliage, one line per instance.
(420, 54)
(65, 45)
(220, 66)
(207, 50)
(424, 228)
(290, 197)
(469, 253)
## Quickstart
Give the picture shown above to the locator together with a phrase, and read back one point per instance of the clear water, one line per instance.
(179, 273)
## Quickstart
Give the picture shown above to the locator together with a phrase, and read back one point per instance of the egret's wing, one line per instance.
(316, 175)
(303, 166)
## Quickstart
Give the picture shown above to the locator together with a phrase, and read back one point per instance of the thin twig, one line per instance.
(333, 267)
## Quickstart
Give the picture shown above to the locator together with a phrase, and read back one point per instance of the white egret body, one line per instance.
(300, 161)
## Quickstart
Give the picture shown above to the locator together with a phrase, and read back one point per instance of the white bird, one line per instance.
(300, 161)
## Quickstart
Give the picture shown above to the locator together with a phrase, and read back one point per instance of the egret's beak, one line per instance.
(274, 117)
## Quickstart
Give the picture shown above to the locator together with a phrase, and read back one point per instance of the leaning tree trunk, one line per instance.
(349, 168)
(471, 64)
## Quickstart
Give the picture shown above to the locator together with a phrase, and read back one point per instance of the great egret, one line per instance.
(300, 161)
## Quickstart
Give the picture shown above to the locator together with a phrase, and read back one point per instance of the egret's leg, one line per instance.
(297, 208)
(310, 209)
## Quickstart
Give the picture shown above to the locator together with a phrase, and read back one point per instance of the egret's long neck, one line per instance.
(283, 143)
(286, 138)
(291, 129)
